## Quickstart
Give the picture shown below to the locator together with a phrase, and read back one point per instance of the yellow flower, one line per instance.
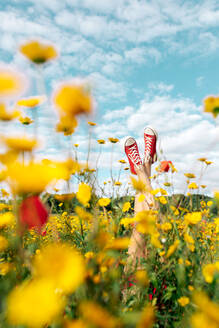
(26, 120)
(126, 222)
(172, 248)
(191, 288)
(5, 267)
(126, 168)
(138, 185)
(7, 115)
(183, 301)
(209, 203)
(126, 207)
(203, 186)
(31, 102)
(202, 159)
(162, 200)
(38, 295)
(188, 239)
(93, 314)
(66, 125)
(33, 177)
(199, 319)
(166, 226)
(84, 193)
(142, 277)
(122, 161)
(193, 185)
(141, 198)
(145, 222)
(20, 144)
(91, 123)
(208, 162)
(209, 308)
(147, 317)
(89, 255)
(6, 219)
(4, 193)
(77, 323)
(203, 204)
(3, 243)
(38, 52)
(113, 140)
(118, 183)
(119, 243)
(167, 184)
(209, 270)
(190, 175)
(11, 83)
(60, 264)
(101, 141)
(83, 215)
(72, 99)
(193, 218)
(211, 105)
(103, 201)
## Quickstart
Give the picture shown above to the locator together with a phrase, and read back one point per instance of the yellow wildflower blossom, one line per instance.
(31, 102)
(38, 52)
(147, 317)
(193, 218)
(190, 175)
(119, 243)
(209, 270)
(101, 141)
(91, 123)
(172, 248)
(162, 200)
(142, 277)
(11, 82)
(193, 185)
(83, 215)
(60, 264)
(209, 203)
(141, 198)
(84, 193)
(166, 226)
(39, 295)
(167, 184)
(26, 120)
(122, 161)
(126, 207)
(200, 319)
(211, 105)
(6, 219)
(72, 99)
(209, 308)
(138, 185)
(3, 243)
(113, 140)
(6, 115)
(183, 301)
(104, 201)
(20, 144)
(117, 183)
(66, 125)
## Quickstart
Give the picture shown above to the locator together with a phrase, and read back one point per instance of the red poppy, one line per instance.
(165, 166)
(150, 297)
(33, 213)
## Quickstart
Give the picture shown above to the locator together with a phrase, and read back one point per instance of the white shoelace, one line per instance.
(134, 155)
(148, 145)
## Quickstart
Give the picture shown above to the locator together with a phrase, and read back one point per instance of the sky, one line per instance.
(148, 63)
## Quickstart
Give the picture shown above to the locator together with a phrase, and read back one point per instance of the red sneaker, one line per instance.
(131, 150)
(150, 139)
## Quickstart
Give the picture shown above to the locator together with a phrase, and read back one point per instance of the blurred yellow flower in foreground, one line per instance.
(142, 277)
(147, 317)
(6, 115)
(93, 314)
(6, 219)
(33, 177)
(72, 99)
(162, 200)
(34, 304)
(211, 105)
(209, 311)
(193, 218)
(146, 222)
(209, 270)
(32, 101)
(3, 243)
(38, 52)
(61, 265)
(20, 144)
(172, 248)
(138, 184)
(11, 82)
(126, 207)
(103, 201)
(183, 301)
(84, 193)
(66, 125)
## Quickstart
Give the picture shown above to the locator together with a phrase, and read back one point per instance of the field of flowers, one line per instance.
(63, 257)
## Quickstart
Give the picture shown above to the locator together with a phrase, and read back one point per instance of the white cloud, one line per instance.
(161, 87)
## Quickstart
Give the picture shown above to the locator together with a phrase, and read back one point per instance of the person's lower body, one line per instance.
(137, 250)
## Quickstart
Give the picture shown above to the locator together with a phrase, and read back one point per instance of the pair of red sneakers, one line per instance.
(131, 149)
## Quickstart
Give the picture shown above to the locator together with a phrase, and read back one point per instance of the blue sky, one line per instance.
(149, 62)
